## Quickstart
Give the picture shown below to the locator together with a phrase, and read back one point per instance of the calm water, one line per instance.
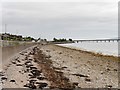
(106, 48)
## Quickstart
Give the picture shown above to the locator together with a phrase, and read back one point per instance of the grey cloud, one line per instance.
(75, 20)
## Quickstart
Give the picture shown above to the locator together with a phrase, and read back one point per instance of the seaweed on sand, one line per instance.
(57, 79)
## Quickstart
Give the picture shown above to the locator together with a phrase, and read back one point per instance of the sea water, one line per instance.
(105, 48)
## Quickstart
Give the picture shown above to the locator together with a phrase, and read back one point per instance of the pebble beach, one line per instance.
(52, 66)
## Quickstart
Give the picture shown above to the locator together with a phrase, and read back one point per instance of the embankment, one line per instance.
(10, 51)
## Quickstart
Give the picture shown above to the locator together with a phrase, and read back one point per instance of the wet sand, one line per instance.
(41, 66)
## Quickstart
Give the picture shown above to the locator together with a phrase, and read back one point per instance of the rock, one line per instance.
(60, 53)
(38, 82)
(32, 76)
(26, 85)
(80, 75)
(36, 72)
(21, 53)
(27, 70)
(76, 84)
(32, 86)
(1, 74)
(27, 66)
(64, 67)
(32, 81)
(31, 53)
(115, 69)
(12, 80)
(47, 50)
(27, 62)
(30, 59)
(71, 57)
(42, 85)
(65, 79)
(26, 58)
(13, 62)
(109, 86)
(41, 78)
(8, 66)
(35, 60)
(17, 58)
(18, 61)
(18, 64)
(33, 68)
(108, 69)
(3, 78)
(88, 80)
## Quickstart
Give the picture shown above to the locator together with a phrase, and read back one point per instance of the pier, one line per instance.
(98, 40)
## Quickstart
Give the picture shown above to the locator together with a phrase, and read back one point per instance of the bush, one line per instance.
(16, 43)
(70, 39)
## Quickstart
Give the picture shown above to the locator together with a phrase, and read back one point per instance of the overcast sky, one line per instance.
(87, 19)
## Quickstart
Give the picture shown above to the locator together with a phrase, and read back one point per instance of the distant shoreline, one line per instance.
(109, 49)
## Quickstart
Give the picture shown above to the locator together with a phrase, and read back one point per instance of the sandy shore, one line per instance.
(51, 66)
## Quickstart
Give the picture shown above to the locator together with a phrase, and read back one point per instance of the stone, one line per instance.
(28, 66)
(33, 68)
(109, 86)
(31, 81)
(32, 76)
(18, 61)
(26, 85)
(36, 72)
(108, 69)
(65, 79)
(18, 64)
(76, 84)
(27, 62)
(64, 67)
(35, 60)
(3, 78)
(32, 86)
(30, 59)
(80, 75)
(41, 78)
(12, 80)
(21, 54)
(42, 85)
(1, 74)
(115, 69)
(88, 80)
(13, 62)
